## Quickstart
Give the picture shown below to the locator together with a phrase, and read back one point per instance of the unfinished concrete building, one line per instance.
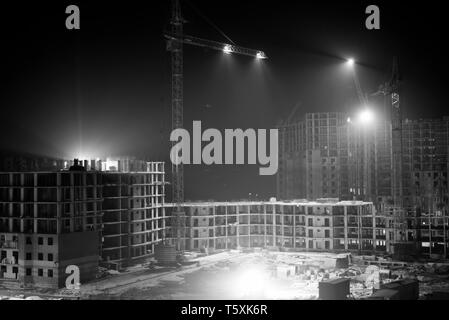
(323, 225)
(328, 155)
(133, 211)
(362, 170)
(19, 162)
(425, 170)
(309, 157)
(49, 220)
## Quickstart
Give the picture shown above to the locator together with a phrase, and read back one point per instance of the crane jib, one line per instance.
(227, 48)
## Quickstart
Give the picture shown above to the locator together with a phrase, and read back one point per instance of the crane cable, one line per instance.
(213, 25)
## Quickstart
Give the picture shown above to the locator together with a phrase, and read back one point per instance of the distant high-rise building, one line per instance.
(330, 155)
(308, 159)
(425, 183)
(326, 155)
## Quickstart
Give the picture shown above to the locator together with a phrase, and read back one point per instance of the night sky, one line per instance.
(104, 90)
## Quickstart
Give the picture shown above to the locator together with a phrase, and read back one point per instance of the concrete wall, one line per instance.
(78, 248)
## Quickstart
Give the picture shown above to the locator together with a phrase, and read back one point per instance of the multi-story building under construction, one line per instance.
(330, 154)
(48, 221)
(133, 211)
(425, 183)
(299, 225)
(84, 215)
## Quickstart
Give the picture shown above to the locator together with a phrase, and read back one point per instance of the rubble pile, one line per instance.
(23, 297)
(432, 277)
(367, 273)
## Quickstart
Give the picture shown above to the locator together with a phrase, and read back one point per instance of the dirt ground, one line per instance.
(250, 275)
(226, 277)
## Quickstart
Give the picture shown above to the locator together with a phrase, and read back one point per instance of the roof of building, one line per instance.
(301, 202)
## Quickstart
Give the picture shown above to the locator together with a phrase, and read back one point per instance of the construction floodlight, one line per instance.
(227, 49)
(261, 55)
(366, 116)
(350, 62)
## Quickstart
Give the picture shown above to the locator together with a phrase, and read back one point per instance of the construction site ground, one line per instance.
(246, 275)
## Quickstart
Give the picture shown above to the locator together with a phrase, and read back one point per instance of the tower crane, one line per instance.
(390, 90)
(175, 41)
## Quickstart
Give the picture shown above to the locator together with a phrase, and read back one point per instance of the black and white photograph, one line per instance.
(224, 155)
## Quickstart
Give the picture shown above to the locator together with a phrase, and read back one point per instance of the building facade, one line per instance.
(49, 220)
(134, 213)
(323, 225)
(52, 219)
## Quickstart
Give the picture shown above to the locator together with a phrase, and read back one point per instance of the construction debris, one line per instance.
(275, 275)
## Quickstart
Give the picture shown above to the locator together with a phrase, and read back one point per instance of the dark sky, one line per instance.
(105, 89)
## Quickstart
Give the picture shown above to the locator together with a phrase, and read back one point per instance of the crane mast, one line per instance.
(391, 92)
(175, 41)
(396, 129)
(397, 148)
(177, 92)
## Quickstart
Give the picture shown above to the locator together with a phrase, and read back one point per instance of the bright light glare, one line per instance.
(227, 49)
(110, 165)
(250, 283)
(366, 116)
(260, 55)
(350, 62)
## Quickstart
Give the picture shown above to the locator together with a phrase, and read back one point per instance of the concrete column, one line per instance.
(226, 227)
(35, 204)
(83, 204)
(22, 205)
(374, 213)
(444, 234)
(72, 204)
(331, 232)
(294, 227)
(306, 226)
(265, 225)
(273, 222)
(346, 226)
(163, 219)
(359, 227)
(237, 226)
(282, 226)
(213, 226)
(11, 194)
(249, 226)
(58, 203)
